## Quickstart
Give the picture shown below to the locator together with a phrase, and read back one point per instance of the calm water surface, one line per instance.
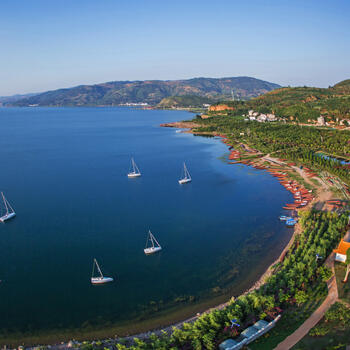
(64, 171)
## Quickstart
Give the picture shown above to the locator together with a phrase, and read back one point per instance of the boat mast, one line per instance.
(98, 267)
(184, 170)
(154, 239)
(9, 205)
(4, 200)
(136, 167)
(187, 174)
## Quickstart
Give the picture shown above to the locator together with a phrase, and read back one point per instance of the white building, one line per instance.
(262, 118)
(271, 117)
(340, 252)
(321, 121)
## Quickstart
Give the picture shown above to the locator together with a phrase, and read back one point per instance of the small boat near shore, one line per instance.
(284, 217)
(99, 279)
(155, 246)
(9, 212)
(291, 222)
(135, 171)
(186, 176)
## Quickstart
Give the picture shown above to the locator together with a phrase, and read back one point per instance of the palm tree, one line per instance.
(347, 266)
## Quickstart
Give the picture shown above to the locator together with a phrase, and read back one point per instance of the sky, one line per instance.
(50, 44)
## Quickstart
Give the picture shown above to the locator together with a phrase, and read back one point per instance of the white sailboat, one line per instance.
(100, 279)
(135, 171)
(187, 177)
(9, 212)
(155, 246)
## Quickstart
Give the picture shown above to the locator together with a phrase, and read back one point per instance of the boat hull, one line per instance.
(152, 250)
(101, 280)
(7, 217)
(184, 181)
(134, 175)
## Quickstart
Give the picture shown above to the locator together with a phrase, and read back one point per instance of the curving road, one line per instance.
(311, 322)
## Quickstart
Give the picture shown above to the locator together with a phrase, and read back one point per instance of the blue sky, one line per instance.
(51, 44)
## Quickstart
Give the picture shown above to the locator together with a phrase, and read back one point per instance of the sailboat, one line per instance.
(187, 176)
(9, 212)
(155, 245)
(135, 172)
(100, 279)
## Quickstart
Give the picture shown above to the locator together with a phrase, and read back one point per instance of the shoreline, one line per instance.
(159, 330)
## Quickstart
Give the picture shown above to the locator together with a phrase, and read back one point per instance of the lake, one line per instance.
(64, 172)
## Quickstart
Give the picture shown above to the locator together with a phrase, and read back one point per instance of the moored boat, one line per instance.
(187, 177)
(284, 217)
(135, 171)
(155, 246)
(8, 212)
(99, 279)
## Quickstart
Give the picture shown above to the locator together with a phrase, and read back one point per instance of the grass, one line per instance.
(334, 333)
(343, 288)
(291, 319)
(336, 339)
(330, 333)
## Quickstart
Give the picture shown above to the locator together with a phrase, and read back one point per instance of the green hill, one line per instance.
(186, 101)
(150, 91)
(304, 104)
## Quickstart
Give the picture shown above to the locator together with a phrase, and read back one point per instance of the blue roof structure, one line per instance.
(249, 332)
(261, 324)
(227, 344)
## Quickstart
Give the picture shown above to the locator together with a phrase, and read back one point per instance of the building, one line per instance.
(321, 121)
(262, 118)
(249, 335)
(271, 117)
(340, 252)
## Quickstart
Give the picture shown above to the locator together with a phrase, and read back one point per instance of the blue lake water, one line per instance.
(64, 171)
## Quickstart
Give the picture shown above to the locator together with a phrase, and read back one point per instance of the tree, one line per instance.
(300, 297)
(347, 266)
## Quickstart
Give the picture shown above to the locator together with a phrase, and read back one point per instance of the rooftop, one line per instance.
(227, 344)
(342, 248)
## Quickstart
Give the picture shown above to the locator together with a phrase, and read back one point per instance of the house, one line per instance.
(271, 117)
(262, 118)
(321, 121)
(340, 252)
(251, 117)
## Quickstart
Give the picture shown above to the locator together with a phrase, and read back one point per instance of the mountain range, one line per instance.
(148, 91)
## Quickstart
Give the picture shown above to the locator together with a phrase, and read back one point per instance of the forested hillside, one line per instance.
(302, 104)
(150, 91)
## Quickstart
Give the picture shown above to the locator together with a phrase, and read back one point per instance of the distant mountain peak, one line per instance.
(149, 91)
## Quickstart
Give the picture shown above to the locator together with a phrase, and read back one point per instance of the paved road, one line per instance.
(311, 322)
